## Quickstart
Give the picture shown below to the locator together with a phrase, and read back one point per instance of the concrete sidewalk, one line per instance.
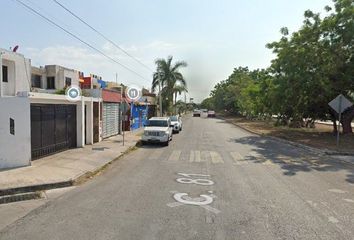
(63, 168)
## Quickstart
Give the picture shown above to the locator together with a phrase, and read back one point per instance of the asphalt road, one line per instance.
(250, 188)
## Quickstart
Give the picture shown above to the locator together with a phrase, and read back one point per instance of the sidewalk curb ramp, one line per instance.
(300, 145)
(31, 192)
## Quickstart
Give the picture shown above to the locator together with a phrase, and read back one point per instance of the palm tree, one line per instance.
(166, 77)
(178, 89)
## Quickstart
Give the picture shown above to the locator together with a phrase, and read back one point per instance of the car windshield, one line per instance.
(157, 123)
(174, 118)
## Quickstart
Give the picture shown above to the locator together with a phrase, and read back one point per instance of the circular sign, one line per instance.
(133, 93)
(73, 93)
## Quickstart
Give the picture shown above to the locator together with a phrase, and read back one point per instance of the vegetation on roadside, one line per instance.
(320, 137)
(169, 81)
(312, 66)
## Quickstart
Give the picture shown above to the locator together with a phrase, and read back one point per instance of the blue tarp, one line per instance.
(139, 116)
(103, 83)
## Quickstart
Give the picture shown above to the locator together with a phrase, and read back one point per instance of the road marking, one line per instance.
(333, 220)
(336, 191)
(216, 158)
(191, 156)
(174, 157)
(238, 159)
(267, 162)
(211, 209)
(259, 158)
(198, 181)
(195, 156)
(201, 201)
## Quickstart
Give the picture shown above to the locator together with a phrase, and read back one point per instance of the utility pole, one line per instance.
(124, 110)
(1, 88)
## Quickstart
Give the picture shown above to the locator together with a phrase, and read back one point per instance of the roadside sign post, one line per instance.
(340, 104)
(123, 115)
(339, 117)
(133, 94)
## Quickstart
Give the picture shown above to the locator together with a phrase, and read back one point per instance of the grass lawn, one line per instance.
(319, 137)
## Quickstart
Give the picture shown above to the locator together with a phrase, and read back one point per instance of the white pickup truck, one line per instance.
(158, 130)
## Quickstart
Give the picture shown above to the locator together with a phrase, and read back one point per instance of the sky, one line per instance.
(212, 36)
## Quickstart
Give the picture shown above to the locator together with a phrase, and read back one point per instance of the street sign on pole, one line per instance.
(340, 104)
(133, 93)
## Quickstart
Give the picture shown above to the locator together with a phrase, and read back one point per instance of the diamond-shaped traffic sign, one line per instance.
(340, 104)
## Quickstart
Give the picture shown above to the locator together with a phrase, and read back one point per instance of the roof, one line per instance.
(111, 96)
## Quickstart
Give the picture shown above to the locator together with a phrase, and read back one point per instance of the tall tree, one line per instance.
(178, 90)
(166, 77)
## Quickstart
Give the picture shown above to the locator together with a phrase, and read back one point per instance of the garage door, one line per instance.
(53, 128)
(110, 119)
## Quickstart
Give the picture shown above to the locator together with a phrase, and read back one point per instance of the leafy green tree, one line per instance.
(312, 66)
(178, 90)
(166, 78)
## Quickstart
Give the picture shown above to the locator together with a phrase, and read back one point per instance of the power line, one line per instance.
(102, 35)
(79, 39)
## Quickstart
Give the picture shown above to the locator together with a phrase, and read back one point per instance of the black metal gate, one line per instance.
(53, 128)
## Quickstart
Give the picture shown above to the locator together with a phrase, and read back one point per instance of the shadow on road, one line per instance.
(150, 145)
(292, 159)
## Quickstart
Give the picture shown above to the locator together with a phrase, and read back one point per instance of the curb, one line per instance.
(35, 188)
(300, 145)
(35, 191)
(80, 179)
(20, 197)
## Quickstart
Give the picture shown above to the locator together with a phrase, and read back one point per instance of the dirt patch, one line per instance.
(320, 137)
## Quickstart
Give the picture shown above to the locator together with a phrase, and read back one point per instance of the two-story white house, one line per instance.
(53, 77)
(36, 117)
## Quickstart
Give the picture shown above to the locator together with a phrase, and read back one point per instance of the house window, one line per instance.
(67, 81)
(50, 83)
(36, 81)
(4, 74)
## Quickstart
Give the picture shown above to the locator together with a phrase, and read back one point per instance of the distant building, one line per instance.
(52, 78)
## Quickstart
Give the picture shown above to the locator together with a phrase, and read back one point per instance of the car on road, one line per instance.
(211, 113)
(157, 130)
(176, 122)
(196, 113)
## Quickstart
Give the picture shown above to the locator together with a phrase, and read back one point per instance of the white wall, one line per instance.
(19, 73)
(60, 73)
(15, 150)
(73, 74)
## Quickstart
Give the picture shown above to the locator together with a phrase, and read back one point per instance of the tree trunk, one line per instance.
(334, 121)
(347, 118)
(175, 104)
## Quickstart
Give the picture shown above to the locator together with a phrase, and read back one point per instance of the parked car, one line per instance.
(196, 113)
(211, 113)
(176, 122)
(158, 130)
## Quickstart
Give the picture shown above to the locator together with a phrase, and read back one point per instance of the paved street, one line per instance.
(214, 181)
